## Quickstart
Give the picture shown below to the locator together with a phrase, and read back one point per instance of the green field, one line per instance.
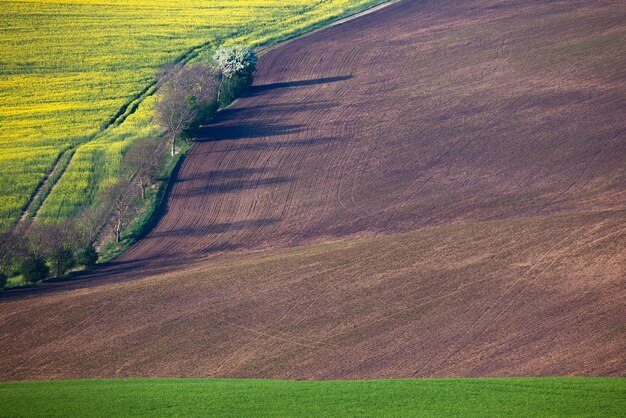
(76, 78)
(529, 397)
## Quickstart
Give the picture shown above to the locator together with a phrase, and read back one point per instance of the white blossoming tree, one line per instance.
(233, 62)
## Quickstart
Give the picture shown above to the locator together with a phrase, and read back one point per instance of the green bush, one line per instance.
(88, 256)
(62, 259)
(233, 88)
(34, 269)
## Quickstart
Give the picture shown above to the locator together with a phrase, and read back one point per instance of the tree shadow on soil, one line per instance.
(257, 90)
(235, 131)
(216, 228)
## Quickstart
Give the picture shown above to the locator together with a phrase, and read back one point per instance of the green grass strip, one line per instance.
(148, 214)
(528, 397)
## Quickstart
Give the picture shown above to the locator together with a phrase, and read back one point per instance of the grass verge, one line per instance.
(562, 396)
(150, 208)
(149, 211)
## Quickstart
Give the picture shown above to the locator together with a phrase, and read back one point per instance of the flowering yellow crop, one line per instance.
(68, 66)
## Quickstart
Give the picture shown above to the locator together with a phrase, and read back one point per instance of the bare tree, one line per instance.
(91, 220)
(144, 159)
(120, 199)
(12, 248)
(186, 95)
(56, 243)
(30, 250)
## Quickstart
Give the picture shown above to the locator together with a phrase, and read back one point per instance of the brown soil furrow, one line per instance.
(602, 152)
(509, 298)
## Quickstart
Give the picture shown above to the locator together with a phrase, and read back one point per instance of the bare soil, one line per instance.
(413, 116)
(520, 297)
(493, 132)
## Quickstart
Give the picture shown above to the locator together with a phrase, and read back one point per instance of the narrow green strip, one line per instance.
(528, 397)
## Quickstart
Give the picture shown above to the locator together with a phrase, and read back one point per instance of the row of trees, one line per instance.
(191, 94)
(142, 166)
(44, 251)
(188, 95)
(41, 251)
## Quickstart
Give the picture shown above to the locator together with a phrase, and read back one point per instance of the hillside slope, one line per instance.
(523, 297)
(420, 114)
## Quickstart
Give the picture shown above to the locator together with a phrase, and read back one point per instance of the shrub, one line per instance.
(62, 259)
(236, 66)
(11, 250)
(232, 88)
(88, 256)
(34, 269)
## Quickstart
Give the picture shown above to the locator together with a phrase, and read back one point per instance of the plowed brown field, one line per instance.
(528, 296)
(413, 116)
(494, 130)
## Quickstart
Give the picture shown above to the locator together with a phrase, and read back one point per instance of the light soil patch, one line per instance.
(521, 297)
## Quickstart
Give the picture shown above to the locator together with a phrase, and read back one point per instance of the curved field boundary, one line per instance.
(264, 49)
(466, 124)
(132, 105)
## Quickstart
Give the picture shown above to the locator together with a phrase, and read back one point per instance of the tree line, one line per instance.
(187, 96)
(193, 93)
(43, 251)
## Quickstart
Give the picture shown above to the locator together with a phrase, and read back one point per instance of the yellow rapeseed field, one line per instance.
(67, 68)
